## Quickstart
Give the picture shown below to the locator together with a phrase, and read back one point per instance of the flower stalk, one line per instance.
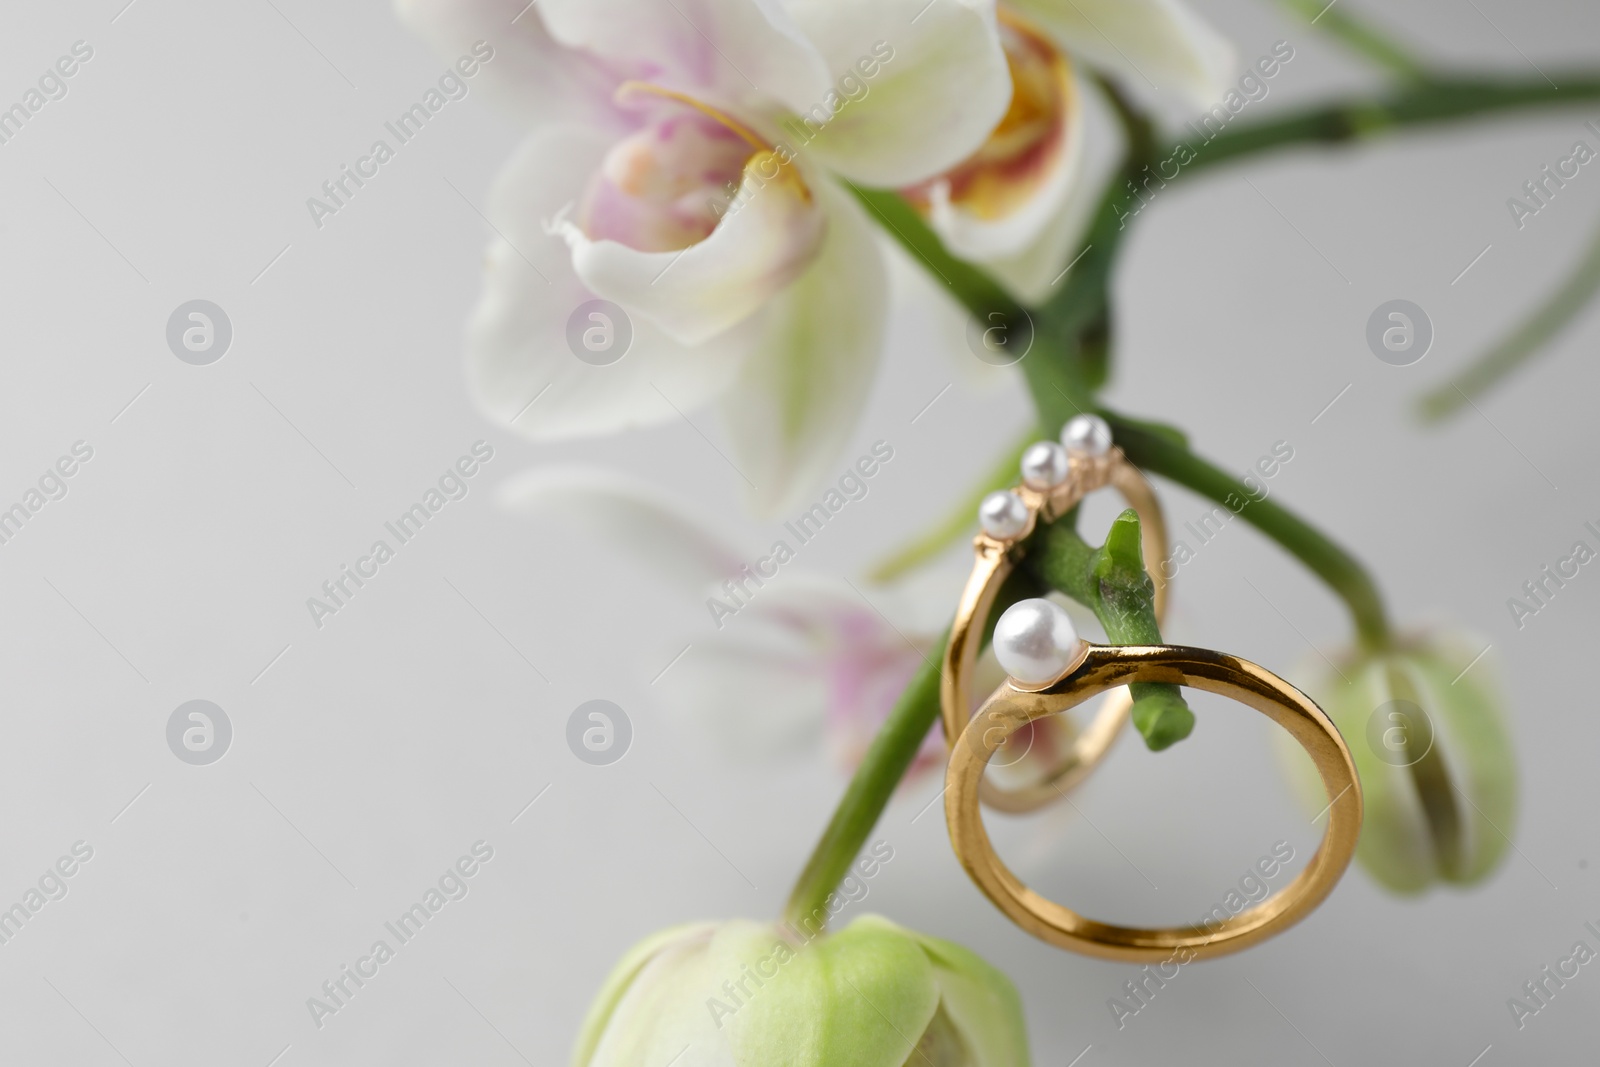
(1072, 336)
(1159, 453)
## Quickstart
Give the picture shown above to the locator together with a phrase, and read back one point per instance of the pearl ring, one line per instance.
(1034, 640)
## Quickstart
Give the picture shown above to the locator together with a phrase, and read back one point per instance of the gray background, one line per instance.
(423, 717)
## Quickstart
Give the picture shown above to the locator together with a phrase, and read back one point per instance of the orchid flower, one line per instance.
(680, 163)
(1018, 202)
(801, 660)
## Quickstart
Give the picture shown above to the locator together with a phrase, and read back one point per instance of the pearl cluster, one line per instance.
(1045, 465)
(1034, 640)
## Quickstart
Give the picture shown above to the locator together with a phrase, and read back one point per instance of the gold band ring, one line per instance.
(1104, 667)
(995, 558)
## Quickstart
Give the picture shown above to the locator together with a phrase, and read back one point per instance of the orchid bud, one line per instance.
(1425, 726)
(745, 994)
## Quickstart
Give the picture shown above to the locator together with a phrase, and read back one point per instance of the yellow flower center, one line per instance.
(1017, 157)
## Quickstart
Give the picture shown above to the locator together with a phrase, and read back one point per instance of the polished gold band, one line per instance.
(1105, 667)
(994, 562)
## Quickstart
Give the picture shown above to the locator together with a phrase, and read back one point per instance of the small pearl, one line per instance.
(1002, 515)
(1044, 465)
(1086, 435)
(1036, 642)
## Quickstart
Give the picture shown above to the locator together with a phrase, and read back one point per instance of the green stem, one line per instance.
(1434, 101)
(886, 761)
(1522, 343)
(1137, 127)
(1076, 318)
(1158, 453)
(1360, 38)
(1114, 582)
(971, 286)
(874, 782)
(1164, 451)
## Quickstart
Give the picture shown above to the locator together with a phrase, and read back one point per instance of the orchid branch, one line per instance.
(886, 761)
(1160, 453)
(1080, 307)
(1072, 332)
(971, 286)
(1060, 379)
(1432, 101)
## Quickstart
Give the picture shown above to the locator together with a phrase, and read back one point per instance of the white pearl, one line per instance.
(1086, 435)
(1036, 642)
(1044, 465)
(1002, 515)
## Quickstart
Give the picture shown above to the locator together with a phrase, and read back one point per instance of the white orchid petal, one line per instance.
(1160, 44)
(986, 240)
(801, 652)
(926, 107)
(761, 682)
(801, 392)
(768, 237)
(742, 53)
(1034, 273)
(634, 518)
(520, 367)
(529, 74)
(1035, 270)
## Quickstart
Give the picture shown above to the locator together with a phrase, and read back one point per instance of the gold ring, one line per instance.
(996, 549)
(1104, 667)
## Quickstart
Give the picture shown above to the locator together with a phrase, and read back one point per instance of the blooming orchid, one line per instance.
(680, 163)
(706, 180)
(1018, 202)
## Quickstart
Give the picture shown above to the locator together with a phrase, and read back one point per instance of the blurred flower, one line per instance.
(803, 659)
(1438, 777)
(744, 994)
(1018, 202)
(658, 175)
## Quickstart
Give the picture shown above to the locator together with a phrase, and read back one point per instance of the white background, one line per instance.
(376, 750)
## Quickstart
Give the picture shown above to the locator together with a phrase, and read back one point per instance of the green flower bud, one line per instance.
(1424, 724)
(744, 994)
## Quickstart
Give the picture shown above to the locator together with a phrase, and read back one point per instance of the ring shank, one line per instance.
(1105, 668)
